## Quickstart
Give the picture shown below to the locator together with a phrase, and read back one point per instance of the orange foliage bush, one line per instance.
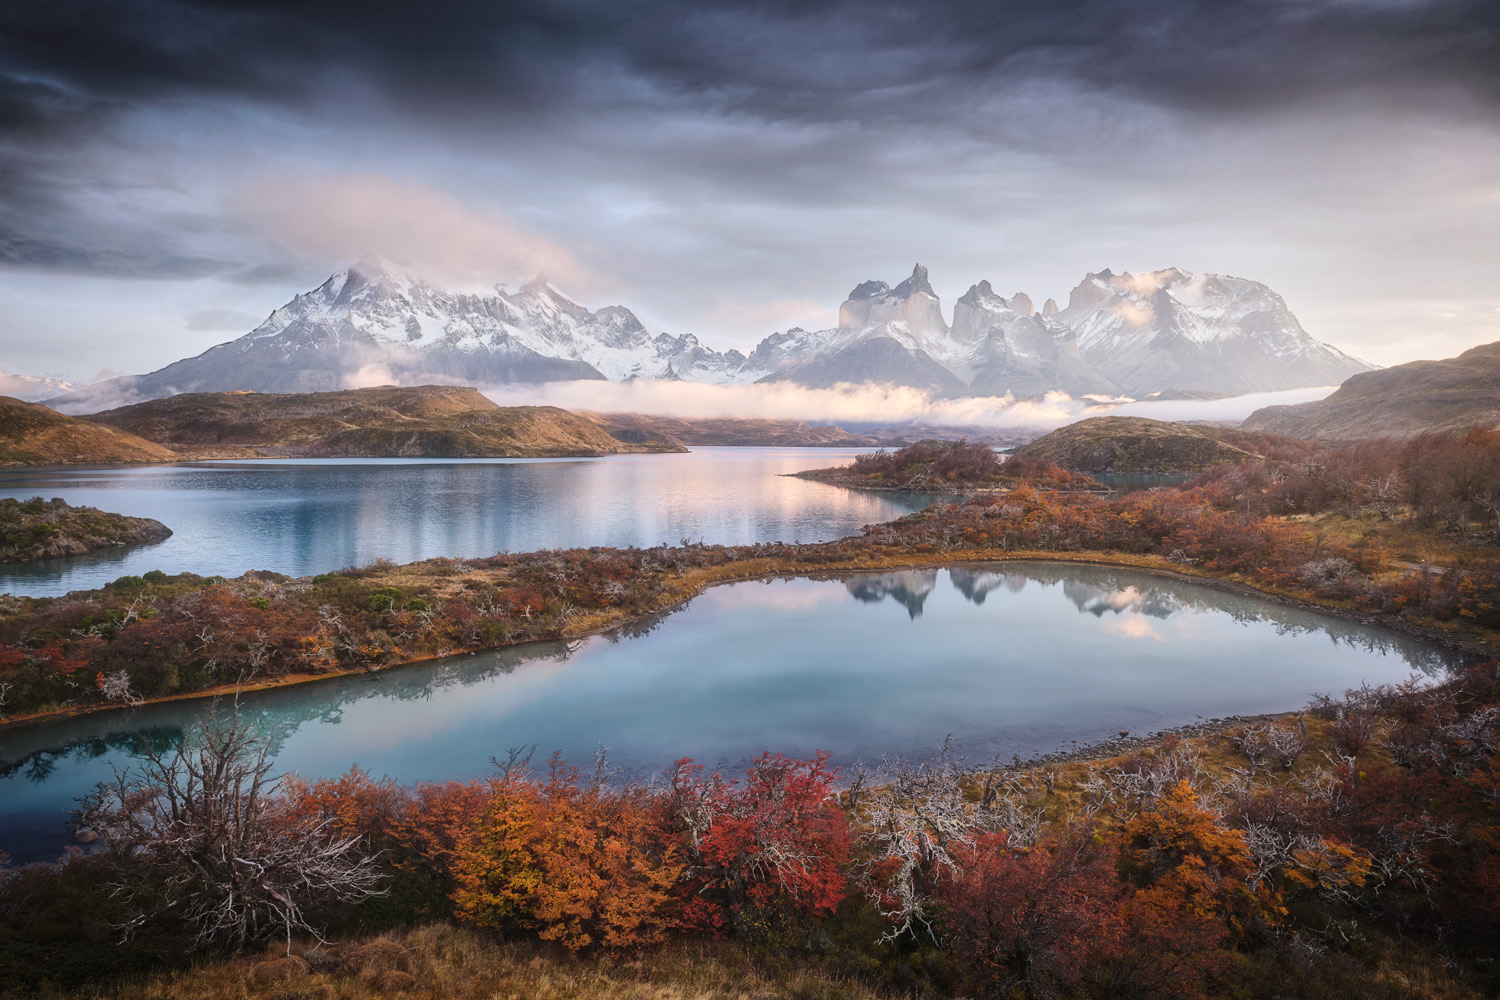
(585, 867)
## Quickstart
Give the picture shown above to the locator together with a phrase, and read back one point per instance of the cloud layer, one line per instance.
(870, 404)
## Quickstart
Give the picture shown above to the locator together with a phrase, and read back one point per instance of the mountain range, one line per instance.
(1123, 334)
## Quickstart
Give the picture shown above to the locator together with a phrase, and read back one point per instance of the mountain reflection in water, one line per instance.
(1015, 658)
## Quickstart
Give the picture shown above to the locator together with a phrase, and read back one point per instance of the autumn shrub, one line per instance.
(1045, 919)
(1192, 901)
(946, 461)
(586, 867)
(775, 843)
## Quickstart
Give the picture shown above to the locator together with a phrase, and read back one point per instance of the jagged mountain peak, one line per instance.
(870, 290)
(1128, 332)
(917, 283)
(982, 293)
(914, 285)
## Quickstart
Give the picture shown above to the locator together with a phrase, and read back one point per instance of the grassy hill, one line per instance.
(1451, 394)
(1137, 444)
(32, 434)
(429, 421)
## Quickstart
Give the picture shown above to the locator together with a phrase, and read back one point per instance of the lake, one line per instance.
(1015, 658)
(313, 516)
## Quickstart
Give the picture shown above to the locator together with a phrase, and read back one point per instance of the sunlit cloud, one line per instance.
(349, 216)
(1133, 627)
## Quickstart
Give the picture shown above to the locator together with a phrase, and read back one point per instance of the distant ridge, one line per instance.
(1119, 334)
(1450, 394)
(430, 421)
(734, 431)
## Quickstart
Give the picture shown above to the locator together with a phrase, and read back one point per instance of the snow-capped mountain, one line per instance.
(1120, 335)
(375, 322)
(893, 335)
(1176, 329)
(1010, 348)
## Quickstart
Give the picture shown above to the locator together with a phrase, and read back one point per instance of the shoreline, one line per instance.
(698, 582)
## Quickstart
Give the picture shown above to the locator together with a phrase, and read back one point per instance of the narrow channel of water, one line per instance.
(1009, 658)
(314, 516)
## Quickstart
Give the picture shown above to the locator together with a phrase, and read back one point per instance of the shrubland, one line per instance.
(1348, 851)
(948, 467)
(45, 529)
(1407, 532)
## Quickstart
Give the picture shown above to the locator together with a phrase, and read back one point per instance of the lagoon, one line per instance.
(1008, 658)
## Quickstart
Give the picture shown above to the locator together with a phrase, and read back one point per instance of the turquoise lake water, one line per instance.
(314, 516)
(1008, 658)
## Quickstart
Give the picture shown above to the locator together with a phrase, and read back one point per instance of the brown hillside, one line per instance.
(726, 431)
(32, 434)
(1451, 394)
(1133, 445)
(429, 421)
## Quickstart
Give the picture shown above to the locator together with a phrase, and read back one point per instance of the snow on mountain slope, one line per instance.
(376, 322)
(1174, 328)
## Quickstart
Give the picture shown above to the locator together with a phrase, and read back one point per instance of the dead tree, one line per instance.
(198, 833)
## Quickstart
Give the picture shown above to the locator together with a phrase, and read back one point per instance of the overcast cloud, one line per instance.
(169, 168)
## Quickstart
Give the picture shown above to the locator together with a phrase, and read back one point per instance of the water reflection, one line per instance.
(302, 517)
(1018, 658)
(1102, 591)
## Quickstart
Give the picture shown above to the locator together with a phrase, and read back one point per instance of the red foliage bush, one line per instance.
(777, 840)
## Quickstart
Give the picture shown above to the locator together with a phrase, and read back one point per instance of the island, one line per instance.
(47, 529)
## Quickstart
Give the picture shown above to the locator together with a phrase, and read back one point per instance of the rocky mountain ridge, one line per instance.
(1119, 335)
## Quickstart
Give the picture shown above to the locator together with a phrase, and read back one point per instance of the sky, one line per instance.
(170, 172)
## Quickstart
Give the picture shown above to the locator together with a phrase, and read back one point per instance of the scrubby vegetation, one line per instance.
(1351, 851)
(42, 529)
(961, 466)
(1407, 532)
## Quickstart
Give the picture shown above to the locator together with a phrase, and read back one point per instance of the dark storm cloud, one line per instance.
(71, 71)
(778, 60)
(21, 251)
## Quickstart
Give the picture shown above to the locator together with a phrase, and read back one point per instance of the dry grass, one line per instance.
(457, 963)
(1406, 540)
